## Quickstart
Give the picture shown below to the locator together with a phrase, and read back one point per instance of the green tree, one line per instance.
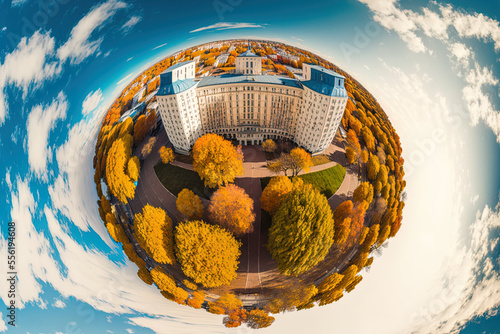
(302, 231)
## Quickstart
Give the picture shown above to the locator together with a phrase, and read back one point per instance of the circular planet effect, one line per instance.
(431, 66)
(307, 248)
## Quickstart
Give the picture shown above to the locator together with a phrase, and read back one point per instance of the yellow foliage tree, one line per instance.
(373, 167)
(211, 263)
(166, 155)
(133, 168)
(232, 208)
(351, 154)
(144, 274)
(197, 299)
(269, 146)
(259, 319)
(153, 231)
(216, 160)
(166, 283)
(189, 204)
(277, 188)
(119, 183)
(301, 160)
(330, 282)
(363, 192)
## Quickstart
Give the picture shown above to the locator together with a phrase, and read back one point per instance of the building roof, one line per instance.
(325, 70)
(176, 66)
(325, 89)
(248, 53)
(176, 87)
(261, 79)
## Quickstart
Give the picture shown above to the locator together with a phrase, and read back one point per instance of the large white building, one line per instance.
(250, 107)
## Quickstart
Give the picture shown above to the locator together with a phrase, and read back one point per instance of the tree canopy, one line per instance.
(302, 230)
(153, 231)
(189, 204)
(166, 155)
(231, 208)
(216, 160)
(277, 188)
(119, 183)
(208, 254)
(269, 145)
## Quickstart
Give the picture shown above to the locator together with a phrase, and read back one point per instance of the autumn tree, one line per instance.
(119, 183)
(301, 160)
(216, 160)
(277, 188)
(153, 231)
(166, 154)
(166, 283)
(259, 319)
(231, 208)
(364, 156)
(269, 146)
(368, 138)
(373, 167)
(371, 237)
(211, 263)
(196, 301)
(302, 230)
(363, 192)
(189, 204)
(140, 129)
(342, 221)
(133, 168)
(351, 154)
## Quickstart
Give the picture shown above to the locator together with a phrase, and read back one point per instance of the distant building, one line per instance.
(221, 60)
(250, 107)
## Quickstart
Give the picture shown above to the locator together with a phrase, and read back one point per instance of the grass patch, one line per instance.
(320, 160)
(176, 178)
(327, 181)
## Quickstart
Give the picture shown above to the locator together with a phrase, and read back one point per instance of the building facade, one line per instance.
(250, 107)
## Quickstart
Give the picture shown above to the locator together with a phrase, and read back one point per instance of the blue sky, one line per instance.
(433, 66)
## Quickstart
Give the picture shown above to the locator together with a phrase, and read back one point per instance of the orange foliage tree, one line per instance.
(166, 155)
(232, 208)
(119, 183)
(277, 188)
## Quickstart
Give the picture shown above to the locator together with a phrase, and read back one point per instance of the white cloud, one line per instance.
(59, 304)
(475, 199)
(15, 134)
(41, 121)
(229, 25)
(79, 46)
(91, 101)
(130, 331)
(72, 193)
(478, 103)
(159, 46)
(17, 3)
(131, 23)
(4, 28)
(27, 66)
(129, 59)
(3, 326)
(122, 80)
(437, 24)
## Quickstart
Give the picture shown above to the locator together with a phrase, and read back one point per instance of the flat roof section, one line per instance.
(260, 79)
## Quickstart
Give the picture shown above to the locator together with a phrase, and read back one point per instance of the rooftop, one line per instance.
(262, 79)
(325, 70)
(248, 53)
(176, 66)
(176, 87)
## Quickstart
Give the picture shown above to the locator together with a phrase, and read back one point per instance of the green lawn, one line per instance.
(176, 178)
(327, 180)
